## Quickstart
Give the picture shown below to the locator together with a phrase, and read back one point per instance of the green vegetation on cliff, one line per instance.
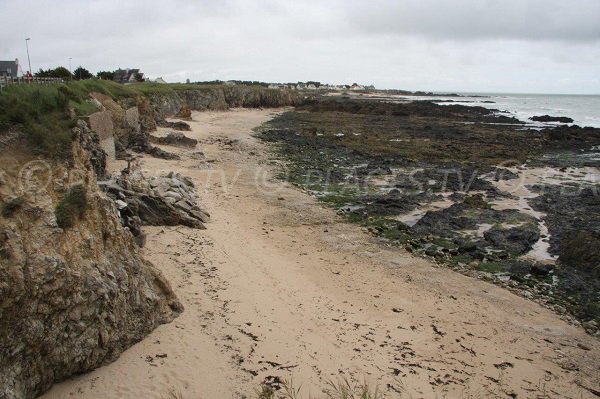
(48, 113)
(71, 207)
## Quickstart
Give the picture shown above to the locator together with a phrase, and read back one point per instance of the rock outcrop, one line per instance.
(128, 132)
(177, 139)
(184, 113)
(168, 200)
(91, 142)
(72, 298)
(516, 240)
(182, 126)
(548, 118)
(132, 119)
(221, 98)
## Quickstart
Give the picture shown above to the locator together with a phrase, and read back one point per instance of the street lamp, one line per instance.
(28, 59)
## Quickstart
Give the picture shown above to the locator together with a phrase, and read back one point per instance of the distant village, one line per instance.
(12, 70)
(319, 86)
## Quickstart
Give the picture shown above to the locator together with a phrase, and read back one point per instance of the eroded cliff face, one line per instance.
(126, 123)
(72, 298)
(125, 128)
(222, 98)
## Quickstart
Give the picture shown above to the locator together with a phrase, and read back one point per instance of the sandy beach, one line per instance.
(279, 285)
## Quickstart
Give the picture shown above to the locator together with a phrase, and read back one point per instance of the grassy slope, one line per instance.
(43, 112)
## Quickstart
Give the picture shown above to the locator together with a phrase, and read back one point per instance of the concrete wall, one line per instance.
(102, 123)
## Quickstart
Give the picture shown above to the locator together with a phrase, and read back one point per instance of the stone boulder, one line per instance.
(176, 139)
(548, 118)
(162, 154)
(174, 125)
(168, 200)
(184, 113)
(516, 240)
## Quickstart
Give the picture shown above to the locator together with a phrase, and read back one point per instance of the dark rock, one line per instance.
(162, 154)
(517, 240)
(548, 118)
(476, 201)
(154, 211)
(160, 201)
(175, 139)
(182, 126)
(394, 203)
(581, 250)
(445, 222)
(444, 179)
(541, 269)
(575, 137)
(374, 170)
(468, 247)
(432, 251)
(89, 140)
(569, 210)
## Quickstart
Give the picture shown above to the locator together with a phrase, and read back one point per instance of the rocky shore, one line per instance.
(466, 186)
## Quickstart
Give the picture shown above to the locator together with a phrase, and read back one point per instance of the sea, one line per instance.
(583, 109)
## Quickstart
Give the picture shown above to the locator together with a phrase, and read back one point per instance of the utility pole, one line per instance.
(71, 73)
(28, 59)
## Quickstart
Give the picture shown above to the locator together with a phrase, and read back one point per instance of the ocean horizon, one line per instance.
(584, 109)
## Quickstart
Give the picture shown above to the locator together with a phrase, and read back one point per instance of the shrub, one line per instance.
(58, 72)
(81, 74)
(71, 207)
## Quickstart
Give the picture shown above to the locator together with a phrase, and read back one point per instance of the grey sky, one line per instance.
(550, 46)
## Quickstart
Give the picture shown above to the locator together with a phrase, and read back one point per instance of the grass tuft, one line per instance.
(344, 389)
(340, 389)
(174, 394)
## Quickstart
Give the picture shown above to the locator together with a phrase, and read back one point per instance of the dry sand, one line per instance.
(279, 286)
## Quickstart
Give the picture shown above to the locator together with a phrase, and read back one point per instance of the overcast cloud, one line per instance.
(548, 46)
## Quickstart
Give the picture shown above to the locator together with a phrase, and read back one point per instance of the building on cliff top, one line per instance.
(128, 76)
(9, 69)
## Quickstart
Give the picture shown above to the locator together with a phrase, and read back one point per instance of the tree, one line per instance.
(139, 77)
(58, 72)
(81, 74)
(106, 75)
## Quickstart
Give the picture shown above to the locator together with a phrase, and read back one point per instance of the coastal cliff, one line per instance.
(72, 297)
(75, 291)
(135, 115)
(221, 98)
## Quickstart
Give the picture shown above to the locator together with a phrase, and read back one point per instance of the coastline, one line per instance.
(280, 286)
(582, 108)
